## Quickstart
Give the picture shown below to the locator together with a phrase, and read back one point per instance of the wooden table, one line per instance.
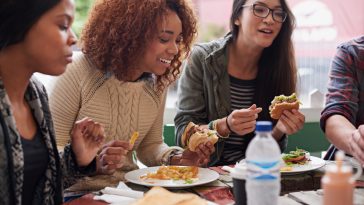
(315, 197)
(295, 189)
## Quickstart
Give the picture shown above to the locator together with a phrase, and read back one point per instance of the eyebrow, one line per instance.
(69, 18)
(278, 6)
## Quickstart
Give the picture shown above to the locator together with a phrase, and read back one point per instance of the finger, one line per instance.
(290, 122)
(361, 130)
(210, 147)
(116, 151)
(247, 125)
(112, 159)
(246, 131)
(357, 152)
(203, 151)
(117, 143)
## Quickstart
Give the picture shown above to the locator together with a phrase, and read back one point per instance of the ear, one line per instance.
(237, 22)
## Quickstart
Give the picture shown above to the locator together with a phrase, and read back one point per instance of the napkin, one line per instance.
(161, 196)
(120, 195)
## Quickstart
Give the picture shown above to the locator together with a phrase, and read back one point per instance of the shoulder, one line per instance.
(211, 47)
(354, 46)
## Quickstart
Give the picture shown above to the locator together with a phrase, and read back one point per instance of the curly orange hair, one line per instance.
(117, 32)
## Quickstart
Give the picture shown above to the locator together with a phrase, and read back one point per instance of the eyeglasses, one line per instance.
(262, 11)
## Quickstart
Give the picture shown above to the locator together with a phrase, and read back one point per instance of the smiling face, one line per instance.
(256, 31)
(48, 43)
(164, 46)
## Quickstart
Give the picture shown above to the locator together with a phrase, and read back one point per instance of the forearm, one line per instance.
(339, 131)
(277, 134)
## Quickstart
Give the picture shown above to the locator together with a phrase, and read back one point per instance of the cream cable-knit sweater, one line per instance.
(122, 107)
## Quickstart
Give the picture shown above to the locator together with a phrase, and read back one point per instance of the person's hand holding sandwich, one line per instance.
(199, 145)
(285, 110)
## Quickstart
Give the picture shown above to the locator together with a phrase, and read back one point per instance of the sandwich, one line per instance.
(299, 156)
(194, 136)
(281, 103)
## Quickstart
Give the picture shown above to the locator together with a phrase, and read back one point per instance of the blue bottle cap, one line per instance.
(264, 126)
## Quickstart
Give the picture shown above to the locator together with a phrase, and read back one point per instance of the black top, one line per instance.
(242, 94)
(35, 164)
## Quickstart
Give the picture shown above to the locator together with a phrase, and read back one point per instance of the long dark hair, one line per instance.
(18, 16)
(277, 72)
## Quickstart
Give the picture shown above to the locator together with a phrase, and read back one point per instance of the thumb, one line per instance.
(361, 130)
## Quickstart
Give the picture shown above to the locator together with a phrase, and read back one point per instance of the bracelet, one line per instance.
(227, 124)
(214, 127)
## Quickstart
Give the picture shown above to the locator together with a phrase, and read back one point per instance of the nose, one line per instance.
(72, 38)
(269, 19)
(173, 48)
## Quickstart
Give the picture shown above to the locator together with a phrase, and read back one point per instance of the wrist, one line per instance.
(222, 128)
(277, 134)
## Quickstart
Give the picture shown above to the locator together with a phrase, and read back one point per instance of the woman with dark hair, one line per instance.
(36, 36)
(228, 84)
(131, 52)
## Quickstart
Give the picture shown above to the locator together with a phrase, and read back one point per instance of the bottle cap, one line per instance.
(263, 126)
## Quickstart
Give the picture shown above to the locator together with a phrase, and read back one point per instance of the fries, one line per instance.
(173, 172)
(133, 138)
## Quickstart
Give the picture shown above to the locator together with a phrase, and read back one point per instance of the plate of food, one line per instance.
(172, 176)
(299, 161)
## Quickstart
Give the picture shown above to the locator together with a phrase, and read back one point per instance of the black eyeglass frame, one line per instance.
(269, 11)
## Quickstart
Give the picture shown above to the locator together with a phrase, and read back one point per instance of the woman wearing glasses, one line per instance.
(228, 84)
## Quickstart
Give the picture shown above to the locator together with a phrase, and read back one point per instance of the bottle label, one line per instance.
(263, 170)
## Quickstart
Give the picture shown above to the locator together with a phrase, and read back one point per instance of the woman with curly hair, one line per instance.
(131, 51)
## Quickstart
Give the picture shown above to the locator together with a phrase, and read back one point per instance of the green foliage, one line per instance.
(210, 32)
(82, 9)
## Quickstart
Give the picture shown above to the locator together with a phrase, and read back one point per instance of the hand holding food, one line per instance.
(192, 136)
(281, 103)
(112, 156)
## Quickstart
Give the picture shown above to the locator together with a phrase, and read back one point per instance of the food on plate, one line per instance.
(159, 195)
(281, 103)
(299, 156)
(133, 138)
(286, 169)
(194, 136)
(187, 173)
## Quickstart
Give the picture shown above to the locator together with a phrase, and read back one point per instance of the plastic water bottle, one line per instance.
(263, 158)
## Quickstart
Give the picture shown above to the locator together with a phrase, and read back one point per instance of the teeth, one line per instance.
(165, 61)
(266, 31)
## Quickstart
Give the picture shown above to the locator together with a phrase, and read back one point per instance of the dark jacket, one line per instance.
(204, 90)
(61, 168)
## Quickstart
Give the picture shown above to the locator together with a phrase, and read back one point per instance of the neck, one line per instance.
(15, 74)
(243, 60)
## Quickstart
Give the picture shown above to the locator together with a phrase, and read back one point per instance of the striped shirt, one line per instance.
(242, 93)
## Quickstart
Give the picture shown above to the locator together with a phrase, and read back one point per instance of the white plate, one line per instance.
(313, 164)
(204, 176)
